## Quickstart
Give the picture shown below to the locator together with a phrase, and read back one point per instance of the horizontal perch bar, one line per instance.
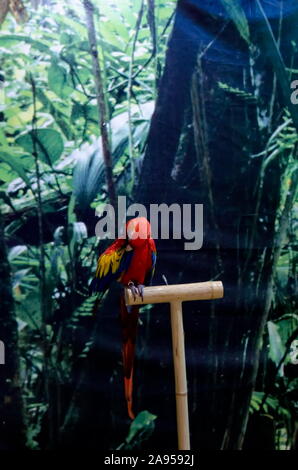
(177, 292)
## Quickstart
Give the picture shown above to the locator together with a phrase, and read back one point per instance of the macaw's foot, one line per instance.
(136, 290)
(141, 291)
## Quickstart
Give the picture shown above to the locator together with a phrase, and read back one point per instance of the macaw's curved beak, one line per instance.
(138, 231)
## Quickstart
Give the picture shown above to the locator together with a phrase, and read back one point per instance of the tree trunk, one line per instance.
(168, 117)
(12, 427)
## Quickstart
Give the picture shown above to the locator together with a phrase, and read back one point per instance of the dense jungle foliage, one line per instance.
(190, 102)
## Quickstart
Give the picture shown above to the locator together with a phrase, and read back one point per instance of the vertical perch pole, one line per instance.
(180, 375)
(175, 295)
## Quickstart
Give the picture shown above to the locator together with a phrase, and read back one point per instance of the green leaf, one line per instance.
(61, 118)
(77, 112)
(15, 163)
(58, 80)
(19, 276)
(16, 251)
(71, 215)
(79, 232)
(6, 173)
(49, 144)
(115, 23)
(287, 324)
(140, 429)
(3, 140)
(237, 14)
(271, 404)
(9, 40)
(85, 309)
(143, 419)
(88, 176)
(256, 400)
(74, 26)
(277, 349)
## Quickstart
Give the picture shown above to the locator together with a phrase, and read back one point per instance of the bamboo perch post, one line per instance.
(175, 295)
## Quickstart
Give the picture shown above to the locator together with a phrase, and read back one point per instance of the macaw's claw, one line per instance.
(136, 290)
(141, 291)
(133, 289)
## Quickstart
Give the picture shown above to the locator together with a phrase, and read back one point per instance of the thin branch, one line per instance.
(43, 148)
(42, 267)
(153, 53)
(107, 154)
(129, 92)
(77, 77)
(137, 82)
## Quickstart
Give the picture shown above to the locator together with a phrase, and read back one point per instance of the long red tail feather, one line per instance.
(129, 324)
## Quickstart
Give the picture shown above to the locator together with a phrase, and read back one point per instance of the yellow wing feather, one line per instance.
(109, 262)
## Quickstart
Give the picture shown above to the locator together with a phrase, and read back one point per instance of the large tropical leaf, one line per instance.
(58, 80)
(89, 172)
(16, 251)
(15, 163)
(287, 324)
(237, 14)
(10, 40)
(49, 144)
(60, 117)
(277, 349)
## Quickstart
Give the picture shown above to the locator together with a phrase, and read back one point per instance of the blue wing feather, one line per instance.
(107, 274)
(150, 273)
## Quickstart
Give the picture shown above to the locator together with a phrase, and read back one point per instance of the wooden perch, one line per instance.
(177, 292)
(175, 295)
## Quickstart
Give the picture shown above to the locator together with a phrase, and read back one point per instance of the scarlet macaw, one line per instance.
(131, 261)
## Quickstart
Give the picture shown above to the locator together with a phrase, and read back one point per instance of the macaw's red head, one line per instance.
(138, 231)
